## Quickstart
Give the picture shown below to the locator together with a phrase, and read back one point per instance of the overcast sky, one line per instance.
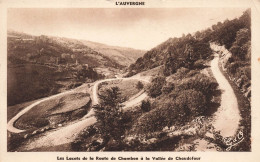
(136, 28)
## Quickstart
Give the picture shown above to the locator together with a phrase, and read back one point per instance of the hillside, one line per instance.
(191, 93)
(186, 50)
(54, 50)
(39, 66)
(61, 62)
(123, 55)
(186, 90)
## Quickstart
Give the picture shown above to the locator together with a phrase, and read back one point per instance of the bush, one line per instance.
(139, 85)
(241, 46)
(200, 82)
(158, 118)
(247, 71)
(181, 73)
(232, 68)
(166, 89)
(146, 106)
(192, 102)
(155, 88)
(79, 144)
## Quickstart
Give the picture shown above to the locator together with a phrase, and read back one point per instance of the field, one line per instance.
(127, 87)
(54, 111)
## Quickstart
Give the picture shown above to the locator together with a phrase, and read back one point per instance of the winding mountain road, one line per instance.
(68, 133)
(10, 124)
(227, 118)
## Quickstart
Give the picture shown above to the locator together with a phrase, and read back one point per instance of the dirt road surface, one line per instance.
(227, 118)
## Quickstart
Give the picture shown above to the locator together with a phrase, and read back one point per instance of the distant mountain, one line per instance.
(54, 50)
(123, 55)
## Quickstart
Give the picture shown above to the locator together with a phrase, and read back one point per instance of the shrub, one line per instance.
(192, 73)
(146, 106)
(192, 102)
(181, 73)
(166, 89)
(241, 46)
(200, 82)
(155, 88)
(158, 118)
(233, 67)
(139, 85)
(79, 144)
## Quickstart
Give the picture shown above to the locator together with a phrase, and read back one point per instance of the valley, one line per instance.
(189, 93)
(55, 64)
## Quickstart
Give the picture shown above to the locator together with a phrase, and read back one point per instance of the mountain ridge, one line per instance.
(123, 56)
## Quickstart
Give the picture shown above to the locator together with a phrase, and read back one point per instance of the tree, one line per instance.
(109, 115)
(146, 106)
(155, 88)
(139, 85)
(241, 46)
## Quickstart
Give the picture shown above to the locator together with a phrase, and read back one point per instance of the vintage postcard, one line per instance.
(129, 80)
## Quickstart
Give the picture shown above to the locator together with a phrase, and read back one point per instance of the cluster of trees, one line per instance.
(83, 72)
(189, 50)
(188, 94)
(146, 106)
(155, 89)
(184, 53)
(225, 33)
(239, 65)
(182, 102)
(173, 54)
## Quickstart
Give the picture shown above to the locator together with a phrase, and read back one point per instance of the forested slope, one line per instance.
(187, 50)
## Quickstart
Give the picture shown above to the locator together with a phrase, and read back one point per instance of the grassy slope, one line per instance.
(127, 88)
(40, 113)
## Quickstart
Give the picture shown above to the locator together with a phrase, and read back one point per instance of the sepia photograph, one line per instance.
(128, 79)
